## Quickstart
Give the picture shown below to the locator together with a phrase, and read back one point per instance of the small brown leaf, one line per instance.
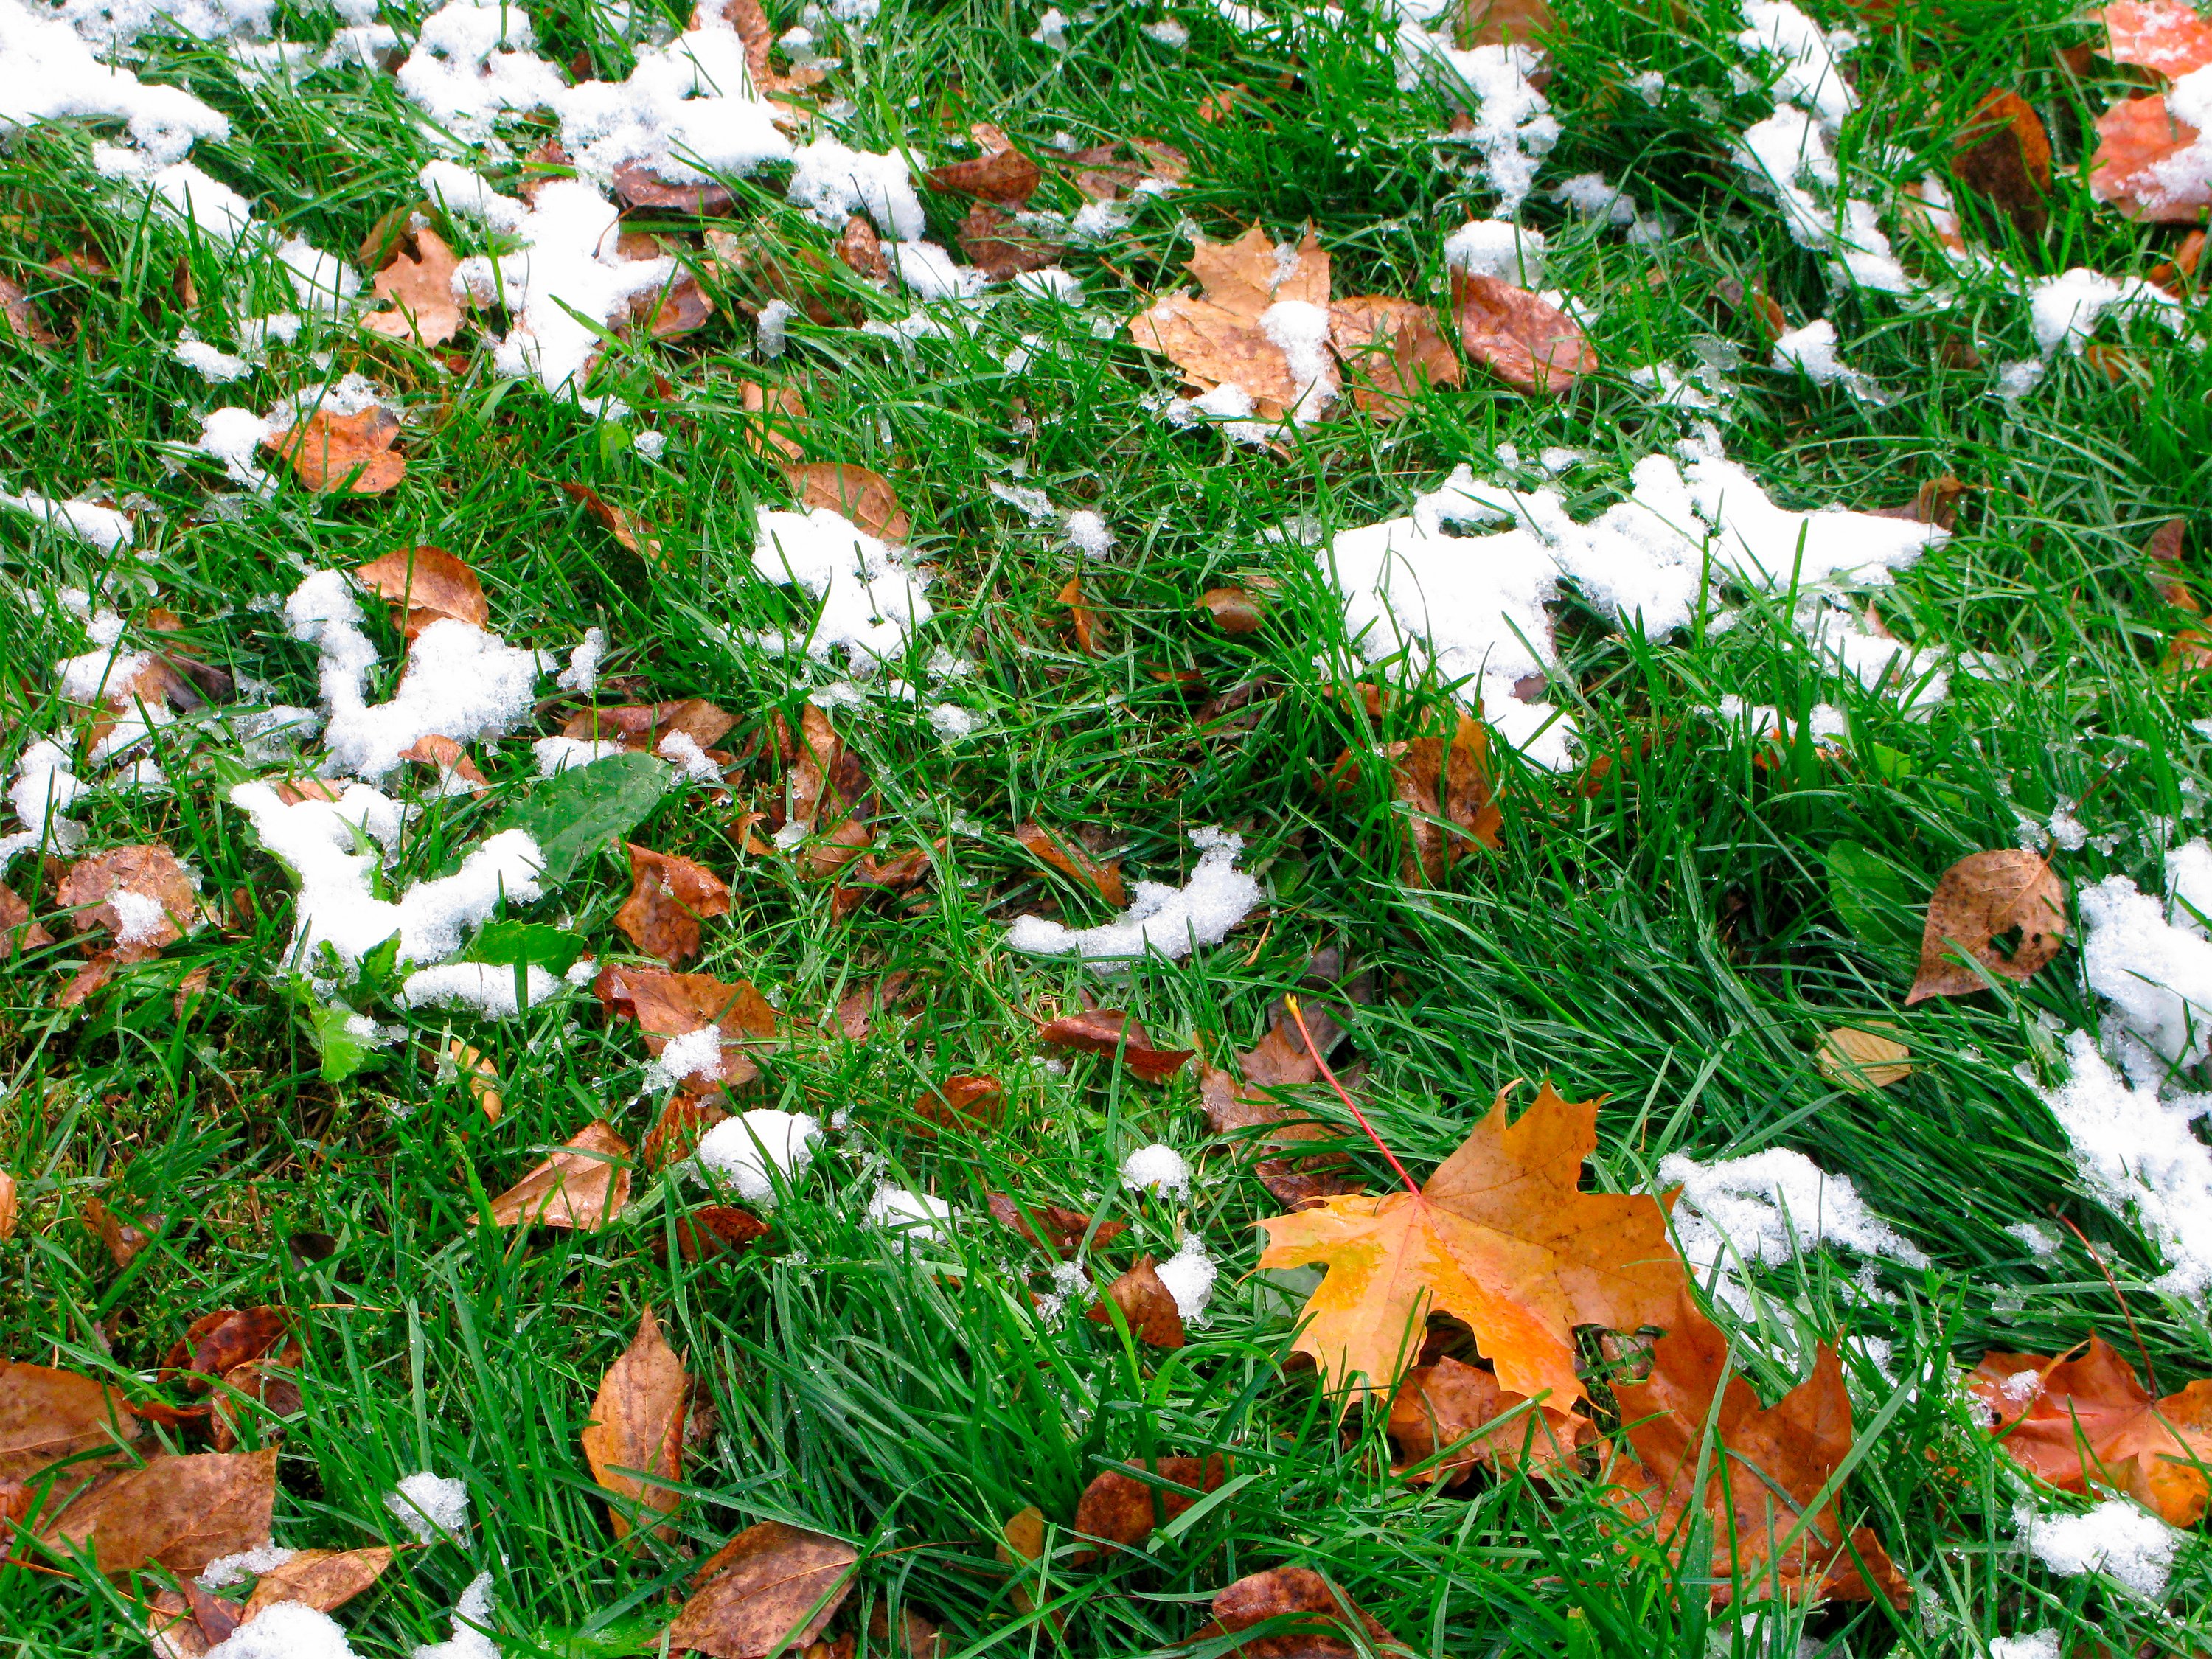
(773, 1586)
(325, 1580)
(998, 247)
(1233, 610)
(1980, 897)
(669, 896)
(2178, 275)
(918, 1638)
(1081, 616)
(1440, 1404)
(624, 525)
(1121, 1509)
(453, 762)
(1050, 1226)
(181, 1512)
(1103, 1031)
(857, 1010)
(423, 307)
(171, 1630)
(1526, 342)
(676, 1134)
(776, 414)
(123, 1239)
(680, 308)
(351, 453)
(1147, 1306)
(24, 320)
(1862, 1056)
(1328, 1615)
(667, 1005)
(1392, 349)
(17, 931)
(48, 1415)
(963, 1102)
(1072, 861)
(7, 1206)
(1001, 175)
(2003, 156)
(865, 498)
(1500, 22)
(480, 1074)
(424, 585)
(640, 186)
(646, 725)
(2164, 550)
(216, 1344)
(1021, 1542)
(583, 1185)
(635, 1440)
(713, 1229)
(862, 249)
(1219, 105)
(140, 894)
(1445, 784)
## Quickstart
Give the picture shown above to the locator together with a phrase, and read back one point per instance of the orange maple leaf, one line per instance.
(2071, 1421)
(1758, 1478)
(1502, 1238)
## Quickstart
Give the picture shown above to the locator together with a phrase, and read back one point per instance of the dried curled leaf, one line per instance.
(351, 453)
(669, 896)
(667, 1005)
(1982, 896)
(325, 1580)
(584, 1185)
(773, 1586)
(1221, 337)
(635, 1440)
(1527, 341)
(422, 308)
(424, 585)
(1120, 1507)
(1107, 1032)
(1052, 1227)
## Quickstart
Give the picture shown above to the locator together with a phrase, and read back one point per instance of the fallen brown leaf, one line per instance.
(865, 498)
(422, 305)
(751, 21)
(1983, 895)
(640, 186)
(139, 895)
(2172, 40)
(669, 896)
(1001, 175)
(1120, 1507)
(584, 1185)
(1528, 342)
(325, 1580)
(2133, 137)
(772, 1586)
(1105, 1032)
(1146, 1306)
(963, 1102)
(676, 1134)
(646, 725)
(1233, 610)
(7, 1206)
(857, 1010)
(1081, 616)
(351, 453)
(1445, 784)
(424, 585)
(1073, 861)
(713, 1229)
(217, 1344)
(625, 526)
(180, 1512)
(47, 1416)
(1441, 1404)
(1052, 1227)
(1327, 1617)
(17, 930)
(774, 415)
(1000, 247)
(1021, 1544)
(679, 307)
(122, 1239)
(1219, 338)
(1500, 22)
(2163, 550)
(1392, 350)
(667, 1005)
(2003, 156)
(24, 318)
(2178, 275)
(452, 761)
(635, 1440)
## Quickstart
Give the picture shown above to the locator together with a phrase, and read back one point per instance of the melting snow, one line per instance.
(1166, 919)
(743, 1150)
(1158, 1167)
(872, 601)
(430, 1506)
(2116, 1539)
(1189, 1275)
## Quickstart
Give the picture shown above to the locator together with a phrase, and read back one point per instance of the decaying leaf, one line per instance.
(669, 896)
(635, 1440)
(751, 21)
(1073, 860)
(1281, 1058)
(624, 525)
(1756, 1479)
(1052, 1227)
(1527, 341)
(2172, 38)
(180, 1512)
(325, 1580)
(963, 1102)
(422, 306)
(584, 1185)
(710, 1230)
(124, 1238)
(857, 1010)
(1326, 1618)
(862, 249)
(640, 186)
(1108, 1031)
(999, 246)
(23, 316)
(142, 896)
(218, 1343)
(1021, 1543)
(2073, 1422)
(2163, 550)
(645, 727)
(424, 585)
(1120, 1507)
(1863, 1056)
(2003, 156)
(772, 1586)
(1445, 784)
(1222, 336)
(679, 307)
(1440, 1404)
(1233, 610)
(1500, 22)
(1981, 898)
(776, 415)
(676, 1134)
(1391, 350)
(667, 1005)
(1001, 174)
(1501, 1237)
(17, 931)
(1146, 1306)
(48, 1415)
(352, 452)
(864, 497)
(1081, 618)
(7, 1206)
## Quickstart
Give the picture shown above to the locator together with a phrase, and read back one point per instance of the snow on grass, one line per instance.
(741, 1151)
(288, 1630)
(870, 601)
(915, 1217)
(1163, 920)
(1157, 1168)
(1189, 1274)
(431, 1507)
(100, 527)
(1767, 1208)
(2126, 1543)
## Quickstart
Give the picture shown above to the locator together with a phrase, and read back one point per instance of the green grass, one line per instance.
(1672, 942)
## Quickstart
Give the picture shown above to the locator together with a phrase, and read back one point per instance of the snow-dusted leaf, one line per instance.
(349, 452)
(2169, 36)
(866, 498)
(2133, 137)
(424, 585)
(142, 896)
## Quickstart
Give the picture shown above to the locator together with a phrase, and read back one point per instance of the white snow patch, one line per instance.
(581, 676)
(2065, 310)
(741, 1151)
(1767, 1208)
(834, 183)
(871, 600)
(97, 526)
(2116, 1539)
(1158, 1168)
(227, 1570)
(1165, 919)
(431, 1507)
(487, 988)
(915, 1217)
(690, 1054)
(287, 1630)
(472, 1617)
(1189, 1275)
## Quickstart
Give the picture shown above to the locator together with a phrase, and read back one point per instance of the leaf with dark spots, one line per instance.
(773, 1586)
(646, 725)
(48, 1415)
(669, 896)
(634, 1439)
(1980, 898)
(181, 1512)
(1107, 1032)
(711, 1229)
(217, 1344)
(1146, 1307)
(325, 1580)
(349, 452)
(2003, 156)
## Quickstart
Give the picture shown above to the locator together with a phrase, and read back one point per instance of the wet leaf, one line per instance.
(776, 415)
(422, 306)
(7, 1206)
(1983, 895)
(965, 1102)
(1073, 860)
(180, 1512)
(2133, 138)
(1501, 1237)
(635, 1440)
(325, 1580)
(647, 725)
(217, 1344)
(17, 931)
(1147, 1306)
(1392, 350)
(124, 1238)
(625, 526)
(453, 762)
(680, 308)
(1440, 1404)
(866, 498)
(584, 1185)
(424, 585)
(24, 318)
(47, 1415)
(140, 894)
(1233, 610)
(2163, 550)
(640, 186)
(1050, 1226)
(1864, 1057)
(481, 1075)
(669, 896)
(1325, 1618)
(1121, 1509)
(2073, 1422)
(667, 1005)
(1000, 247)
(857, 1010)
(770, 1587)
(349, 453)
(574, 812)
(1500, 22)
(1081, 618)
(862, 249)
(1003, 175)
(1525, 341)
(2003, 156)
(1106, 1032)
(1705, 1449)
(1445, 784)
(713, 1229)
(1221, 337)
(2157, 34)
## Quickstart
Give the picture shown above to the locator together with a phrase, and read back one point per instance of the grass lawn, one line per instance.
(1674, 931)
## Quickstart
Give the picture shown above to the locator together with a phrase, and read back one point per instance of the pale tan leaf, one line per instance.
(1857, 1056)
(584, 1185)
(325, 1580)
(422, 306)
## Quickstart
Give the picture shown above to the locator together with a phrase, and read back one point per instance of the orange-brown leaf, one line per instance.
(1445, 784)
(964, 1101)
(2133, 137)
(1080, 618)
(17, 930)
(999, 246)
(23, 319)
(865, 498)
(772, 1586)
(584, 1185)
(680, 308)
(1146, 1306)
(424, 308)
(712, 1229)
(216, 1344)
(351, 453)
(140, 894)
(1392, 349)
(1120, 1507)
(667, 1005)
(181, 1512)
(635, 1440)
(7, 1206)
(1072, 861)
(624, 525)
(2168, 36)
(669, 896)
(646, 725)
(1438, 1406)
(1527, 341)
(1501, 1237)
(1327, 1617)
(47, 1415)
(1982, 896)
(1233, 610)
(1218, 337)
(2004, 155)
(1052, 1227)
(325, 1580)
(424, 585)
(775, 414)
(1108, 1031)
(1001, 175)
(1500, 22)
